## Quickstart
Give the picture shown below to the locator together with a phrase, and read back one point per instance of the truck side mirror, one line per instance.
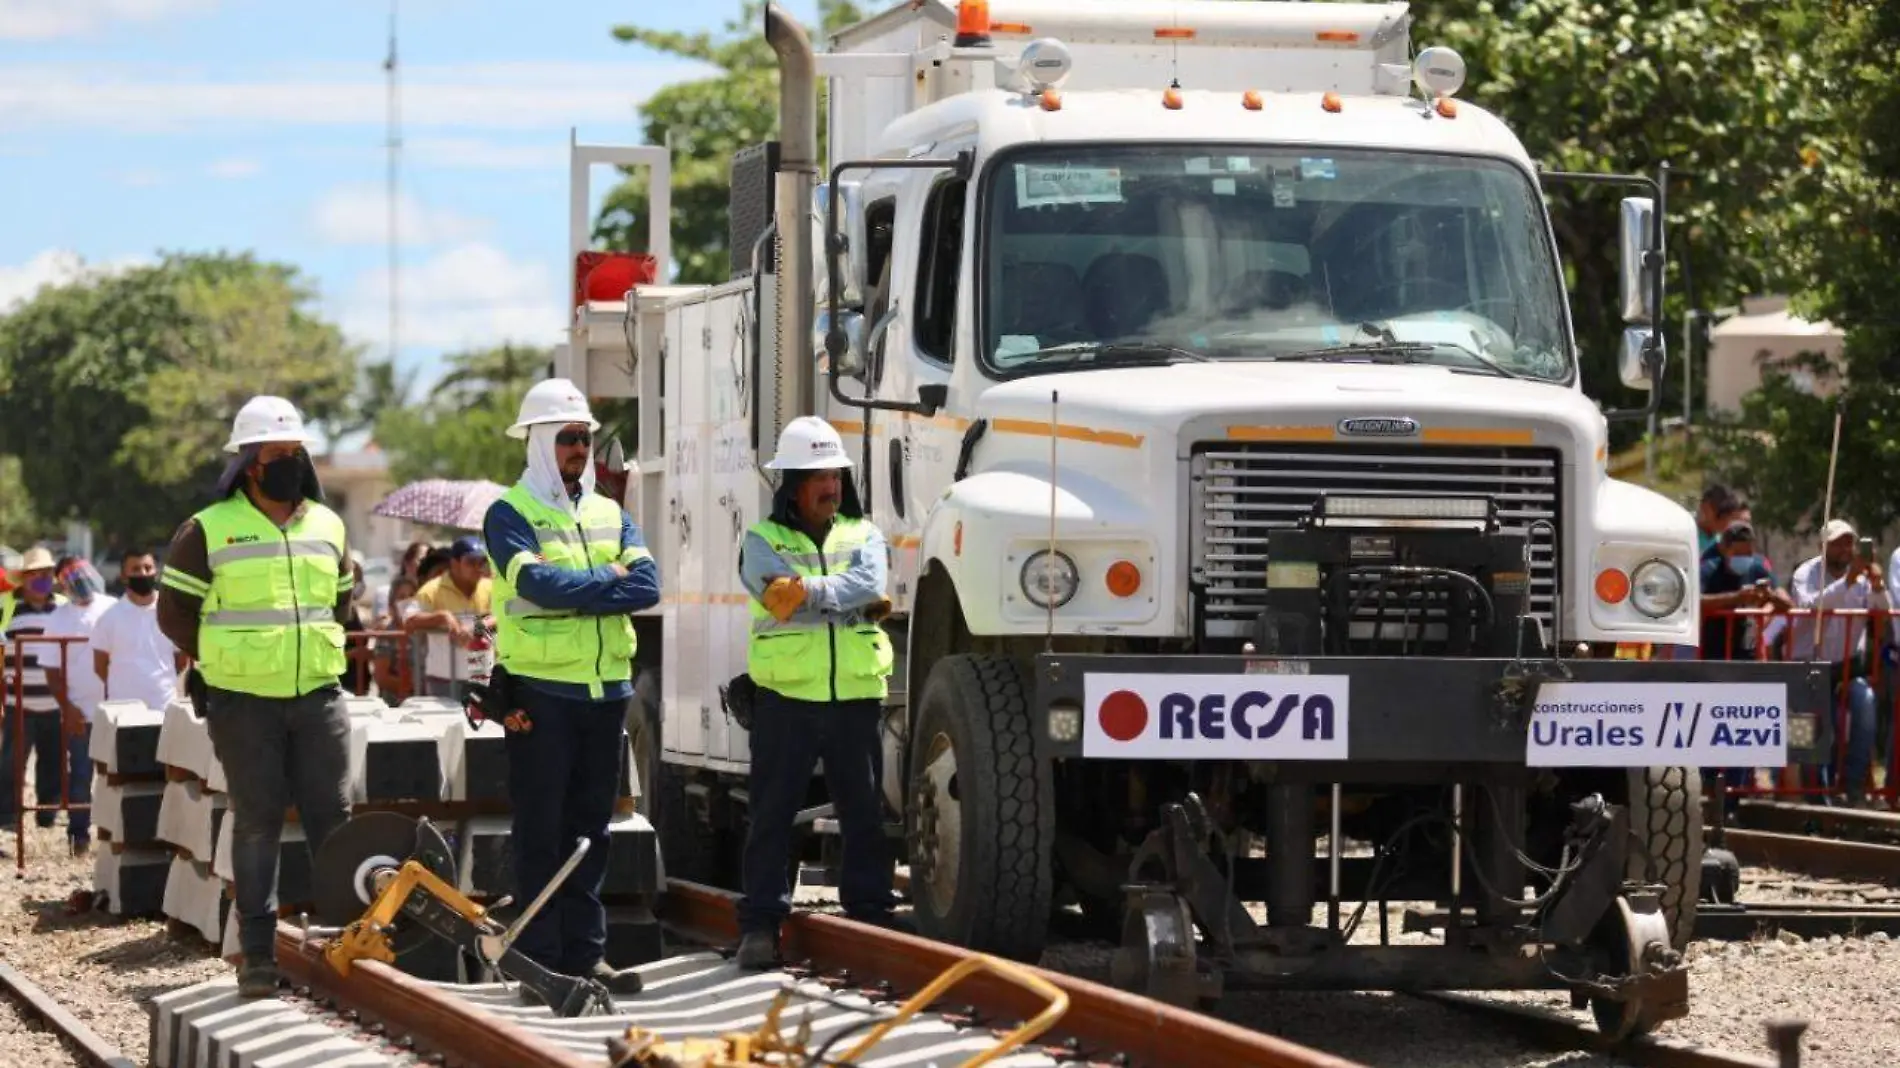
(1633, 361)
(851, 361)
(850, 248)
(1635, 236)
(933, 396)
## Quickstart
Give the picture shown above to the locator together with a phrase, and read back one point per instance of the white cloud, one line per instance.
(466, 296)
(39, 20)
(359, 215)
(54, 267)
(464, 96)
(233, 167)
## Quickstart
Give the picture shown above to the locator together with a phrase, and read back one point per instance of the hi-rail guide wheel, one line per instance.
(344, 873)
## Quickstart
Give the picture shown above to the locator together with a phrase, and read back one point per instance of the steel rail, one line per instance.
(1554, 1032)
(93, 1051)
(1794, 818)
(438, 1021)
(1741, 921)
(1828, 858)
(1103, 1020)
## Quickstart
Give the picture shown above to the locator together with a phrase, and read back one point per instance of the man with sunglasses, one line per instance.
(569, 568)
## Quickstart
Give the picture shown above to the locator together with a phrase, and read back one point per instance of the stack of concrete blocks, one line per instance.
(190, 818)
(128, 788)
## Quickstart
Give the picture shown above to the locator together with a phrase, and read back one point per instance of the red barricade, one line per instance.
(1772, 640)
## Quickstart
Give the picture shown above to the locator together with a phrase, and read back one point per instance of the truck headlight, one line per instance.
(1050, 579)
(1658, 588)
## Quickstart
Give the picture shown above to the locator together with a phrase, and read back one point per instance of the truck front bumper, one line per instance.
(1313, 716)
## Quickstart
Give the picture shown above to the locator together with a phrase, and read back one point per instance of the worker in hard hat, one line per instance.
(569, 569)
(818, 663)
(256, 590)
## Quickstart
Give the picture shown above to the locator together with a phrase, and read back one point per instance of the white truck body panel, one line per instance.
(1122, 437)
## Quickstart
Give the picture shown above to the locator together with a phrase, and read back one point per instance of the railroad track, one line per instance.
(848, 976)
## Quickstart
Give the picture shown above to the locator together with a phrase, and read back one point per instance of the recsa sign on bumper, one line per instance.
(1643, 724)
(1227, 717)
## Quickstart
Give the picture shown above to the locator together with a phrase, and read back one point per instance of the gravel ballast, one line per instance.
(103, 969)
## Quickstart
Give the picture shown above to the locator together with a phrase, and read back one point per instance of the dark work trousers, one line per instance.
(43, 751)
(277, 751)
(788, 739)
(562, 778)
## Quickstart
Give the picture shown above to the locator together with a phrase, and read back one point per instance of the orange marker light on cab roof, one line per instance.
(1173, 33)
(1338, 36)
(1446, 107)
(1123, 579)
(1612, 586)
(1330, 102)
(1251, 100)
(1051, 100)
(973, 23)
(956, 539)
(1171, 97)
(1022, 28)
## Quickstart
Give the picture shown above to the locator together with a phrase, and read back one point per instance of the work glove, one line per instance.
(783, 597)
(879, 610)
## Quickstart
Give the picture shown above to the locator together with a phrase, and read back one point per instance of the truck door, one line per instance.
(911, 332)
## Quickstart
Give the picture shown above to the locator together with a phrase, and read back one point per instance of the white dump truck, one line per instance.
(1209, 367)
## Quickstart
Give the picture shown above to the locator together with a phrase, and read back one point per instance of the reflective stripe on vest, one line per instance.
(846, 658)
(269, 624)
(559, 644)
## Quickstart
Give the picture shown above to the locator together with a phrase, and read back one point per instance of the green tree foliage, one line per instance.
(461, 431)
(1716, 88)
(1847, 246)
(121, 390)
(705, 121)
(20, 525)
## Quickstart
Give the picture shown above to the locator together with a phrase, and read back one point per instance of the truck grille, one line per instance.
(1242, 491)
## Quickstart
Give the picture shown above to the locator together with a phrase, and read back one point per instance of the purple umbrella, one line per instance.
(442, 502)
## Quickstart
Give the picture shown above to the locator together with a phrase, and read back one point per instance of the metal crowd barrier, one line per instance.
(1870, 635)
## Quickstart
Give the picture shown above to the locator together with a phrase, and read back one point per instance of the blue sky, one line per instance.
(133, 126)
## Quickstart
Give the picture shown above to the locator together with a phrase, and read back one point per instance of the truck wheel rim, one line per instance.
(943, 838)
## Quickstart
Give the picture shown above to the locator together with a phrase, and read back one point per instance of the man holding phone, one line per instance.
(1844, 578)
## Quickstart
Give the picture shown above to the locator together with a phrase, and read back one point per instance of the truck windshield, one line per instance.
(1111, 254)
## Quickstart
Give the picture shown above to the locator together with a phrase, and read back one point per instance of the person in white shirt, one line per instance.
(77, 689)
(130, 654)
(1841, 579)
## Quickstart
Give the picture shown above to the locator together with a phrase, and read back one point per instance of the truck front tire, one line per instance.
(981, 814)
(1665, 813)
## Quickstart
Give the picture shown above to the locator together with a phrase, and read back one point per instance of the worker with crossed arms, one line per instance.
(818, 665)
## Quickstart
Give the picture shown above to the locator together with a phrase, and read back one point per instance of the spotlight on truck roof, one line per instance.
(1045, 65)
(1439, 71)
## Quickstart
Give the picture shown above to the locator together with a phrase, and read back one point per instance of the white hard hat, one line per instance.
(809, 444)
(266, 419)
(555, 400)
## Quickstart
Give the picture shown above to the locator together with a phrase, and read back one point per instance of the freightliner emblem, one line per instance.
(1379, 427)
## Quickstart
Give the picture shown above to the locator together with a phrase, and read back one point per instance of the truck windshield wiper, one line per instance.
(1395, 352)
(1077, 351)
(1378, 351)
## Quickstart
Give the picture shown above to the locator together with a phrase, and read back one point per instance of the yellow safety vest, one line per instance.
(845, 660)
(269, 616)
(560, 644)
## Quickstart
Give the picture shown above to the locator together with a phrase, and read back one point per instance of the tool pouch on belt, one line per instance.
(492, 700)
(737, 696)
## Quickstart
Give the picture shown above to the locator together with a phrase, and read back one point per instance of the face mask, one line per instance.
(282, 479)
(1741, 565)
(142, 584)
(41, 586)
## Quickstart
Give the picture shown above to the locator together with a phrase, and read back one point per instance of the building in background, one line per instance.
(354, 482)
(1765, 334)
